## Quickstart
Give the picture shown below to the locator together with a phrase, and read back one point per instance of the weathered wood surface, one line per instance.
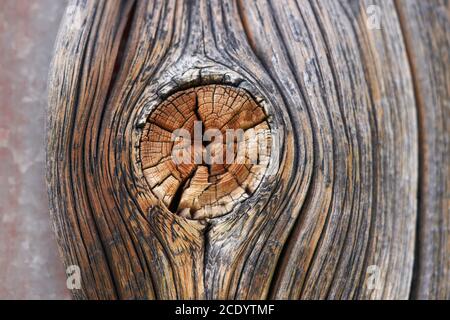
(358, 162)
(426, 29)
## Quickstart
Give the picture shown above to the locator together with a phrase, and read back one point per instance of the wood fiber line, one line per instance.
(361, 119)
(426, 30)
(337, 195)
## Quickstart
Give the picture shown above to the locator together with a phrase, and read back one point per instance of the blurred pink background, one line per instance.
(30, 267)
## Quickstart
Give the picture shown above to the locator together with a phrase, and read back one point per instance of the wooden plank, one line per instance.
(337, 203)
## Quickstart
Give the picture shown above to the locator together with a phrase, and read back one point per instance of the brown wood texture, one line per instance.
(192, 177)
(358, 176)
(427, 35)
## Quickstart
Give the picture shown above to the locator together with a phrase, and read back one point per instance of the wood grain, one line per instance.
(205, 150)
(427, 34)
(339, 196)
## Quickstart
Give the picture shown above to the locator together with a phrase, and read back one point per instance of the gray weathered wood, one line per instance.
(426, 29)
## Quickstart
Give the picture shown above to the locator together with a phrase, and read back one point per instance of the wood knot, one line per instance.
(206, 149)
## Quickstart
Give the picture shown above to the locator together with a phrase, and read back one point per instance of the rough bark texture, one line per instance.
(360, 132)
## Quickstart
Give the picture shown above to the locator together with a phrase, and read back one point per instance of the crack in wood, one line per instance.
(213, 186)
